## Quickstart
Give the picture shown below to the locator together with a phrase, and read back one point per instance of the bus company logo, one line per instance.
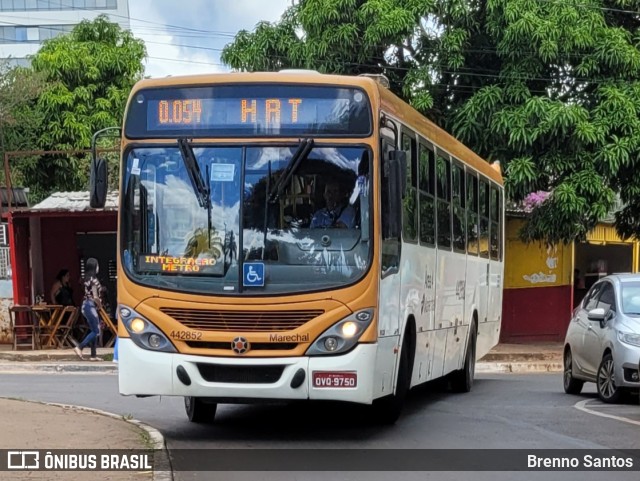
(240, 345)
(23, 460)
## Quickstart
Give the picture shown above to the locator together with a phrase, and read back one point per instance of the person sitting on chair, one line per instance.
(338, 212)
(61, 292)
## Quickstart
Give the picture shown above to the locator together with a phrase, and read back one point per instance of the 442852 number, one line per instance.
(186, 335)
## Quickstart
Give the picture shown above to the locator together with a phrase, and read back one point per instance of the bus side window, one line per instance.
(472, 214)
(458, 201)
(484, 218)
(410, 211)
(496, 237)
(443, 176)
(426, 195)
(390, 258)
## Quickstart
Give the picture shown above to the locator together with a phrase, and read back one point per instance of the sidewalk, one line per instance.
(517, 358)
(54, 360)
(51, 426)
(523, 358)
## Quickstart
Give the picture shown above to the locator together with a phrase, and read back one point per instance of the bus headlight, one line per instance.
(143, 332)
(343, 335)
(137, 325)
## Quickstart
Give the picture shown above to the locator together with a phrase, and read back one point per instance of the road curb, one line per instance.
(48, 357)
(157, 439)
(69, 368)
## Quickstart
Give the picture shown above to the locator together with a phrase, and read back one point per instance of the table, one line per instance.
(49, 317)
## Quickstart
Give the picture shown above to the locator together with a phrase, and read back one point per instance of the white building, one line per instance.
(25, 24)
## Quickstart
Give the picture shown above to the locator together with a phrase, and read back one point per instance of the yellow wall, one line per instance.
(535, 265)
(606, 234)
(603, 233)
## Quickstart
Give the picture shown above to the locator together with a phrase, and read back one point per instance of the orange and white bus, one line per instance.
(295, 235)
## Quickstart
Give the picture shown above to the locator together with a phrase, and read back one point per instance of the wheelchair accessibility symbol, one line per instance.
(253, 274)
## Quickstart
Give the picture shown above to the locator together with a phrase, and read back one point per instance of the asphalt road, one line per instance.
(504, 411)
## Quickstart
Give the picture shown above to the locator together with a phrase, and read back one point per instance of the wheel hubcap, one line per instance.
(606, 379)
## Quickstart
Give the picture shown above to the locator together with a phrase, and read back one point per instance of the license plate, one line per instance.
(345, 379)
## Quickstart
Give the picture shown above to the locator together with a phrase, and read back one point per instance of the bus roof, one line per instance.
(386, 100)
(290, 76)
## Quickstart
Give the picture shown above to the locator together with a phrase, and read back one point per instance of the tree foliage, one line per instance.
(89, 74)
(548, 87)
(19, 122)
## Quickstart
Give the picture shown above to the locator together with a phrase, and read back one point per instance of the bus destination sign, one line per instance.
(248, 110)
(189, 112)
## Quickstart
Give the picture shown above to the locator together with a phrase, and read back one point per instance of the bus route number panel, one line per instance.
(340, 379)
(248, 110)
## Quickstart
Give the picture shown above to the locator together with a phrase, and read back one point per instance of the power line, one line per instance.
(172, 29)
(71, 7)
(188, 61)
(196, 33)
(593, 7)
(197, 47)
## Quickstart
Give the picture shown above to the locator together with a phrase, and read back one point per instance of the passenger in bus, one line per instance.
(337, 212)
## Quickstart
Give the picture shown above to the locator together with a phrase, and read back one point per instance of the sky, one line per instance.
(186, 36)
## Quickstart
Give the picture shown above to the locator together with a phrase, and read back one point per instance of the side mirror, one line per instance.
(597, 314)
(98, 178)
(98, 184)
(394, 178)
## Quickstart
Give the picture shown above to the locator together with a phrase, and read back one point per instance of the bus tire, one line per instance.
(199, 411)
(462, 380)
(389, 408)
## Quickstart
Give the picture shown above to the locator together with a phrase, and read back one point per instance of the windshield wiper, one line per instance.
(200, 186)
(296, 159)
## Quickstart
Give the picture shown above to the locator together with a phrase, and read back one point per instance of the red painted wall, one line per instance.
(21, 277)
(536, 314)
(59, 246)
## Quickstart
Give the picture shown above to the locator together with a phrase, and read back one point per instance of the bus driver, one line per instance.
(338, 212)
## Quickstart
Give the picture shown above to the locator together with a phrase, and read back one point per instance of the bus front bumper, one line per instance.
(235, 379)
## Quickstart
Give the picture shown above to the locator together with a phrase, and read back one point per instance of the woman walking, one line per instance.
(90, 306)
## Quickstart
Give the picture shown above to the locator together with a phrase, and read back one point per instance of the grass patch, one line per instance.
(145, 437)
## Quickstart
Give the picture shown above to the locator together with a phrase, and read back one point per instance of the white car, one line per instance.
(602, 344)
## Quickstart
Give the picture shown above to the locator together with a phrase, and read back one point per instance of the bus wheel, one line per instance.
(388, 409)
(462, 380)
(199, 411)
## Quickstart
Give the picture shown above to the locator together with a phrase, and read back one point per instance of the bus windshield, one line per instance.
(246, 219)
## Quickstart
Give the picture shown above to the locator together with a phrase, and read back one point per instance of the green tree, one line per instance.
(563, 111)
(547, 87)
(19, 122)
(89, 75)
